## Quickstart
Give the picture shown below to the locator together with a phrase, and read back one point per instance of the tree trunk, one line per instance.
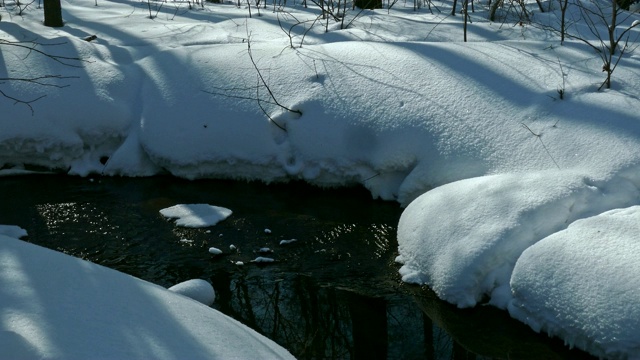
(612, 28)
(52, 13)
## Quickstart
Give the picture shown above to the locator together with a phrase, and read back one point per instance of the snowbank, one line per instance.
(463, 238)
(578, 283)
(82, 310)
(582, 284)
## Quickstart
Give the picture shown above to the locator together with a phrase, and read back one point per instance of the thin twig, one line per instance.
(262, 80)
(539, 136)
(24, 102)
(264, 111)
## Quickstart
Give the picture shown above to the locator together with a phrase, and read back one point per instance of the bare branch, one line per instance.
(262, 80)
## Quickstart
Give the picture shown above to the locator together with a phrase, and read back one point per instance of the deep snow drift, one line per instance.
(395, 102)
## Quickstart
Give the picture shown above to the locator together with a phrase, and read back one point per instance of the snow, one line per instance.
(287, 242)
(196, 289)
(472, 137)
(215, 251)
(582, 284)
(82, 310)
(262, 259)
(196, 215)
(464, 238)
(13, 231)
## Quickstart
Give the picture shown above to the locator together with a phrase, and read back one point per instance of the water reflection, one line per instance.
(333, 294)
(322, 321)
(316, 321)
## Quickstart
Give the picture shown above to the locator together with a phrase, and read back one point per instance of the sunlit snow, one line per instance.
(510, 162)
(582, 284)
(55, 306)
(196, 215)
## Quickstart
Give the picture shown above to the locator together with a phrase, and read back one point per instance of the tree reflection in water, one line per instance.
(335, 294)
(322, 321)
(316, 321)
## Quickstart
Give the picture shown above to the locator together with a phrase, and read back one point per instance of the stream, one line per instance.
(334, 293)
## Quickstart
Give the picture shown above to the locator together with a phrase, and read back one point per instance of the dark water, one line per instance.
(333, 294)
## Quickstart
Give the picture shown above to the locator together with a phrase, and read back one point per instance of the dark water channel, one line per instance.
(333, 294)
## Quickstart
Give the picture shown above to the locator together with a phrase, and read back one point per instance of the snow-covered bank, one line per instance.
(398, 117)
(583, 284)
(478, 228)
(54, 306)
(465, 238)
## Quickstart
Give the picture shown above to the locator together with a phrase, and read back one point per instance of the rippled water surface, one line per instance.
(333, 293)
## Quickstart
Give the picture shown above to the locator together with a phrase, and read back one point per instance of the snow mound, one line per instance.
(583, 285)
(464, 238)
(13, 231)
(86, 311)
(196, 215)
(197, 289)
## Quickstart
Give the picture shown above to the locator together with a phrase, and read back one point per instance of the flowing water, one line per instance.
(332, 294)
